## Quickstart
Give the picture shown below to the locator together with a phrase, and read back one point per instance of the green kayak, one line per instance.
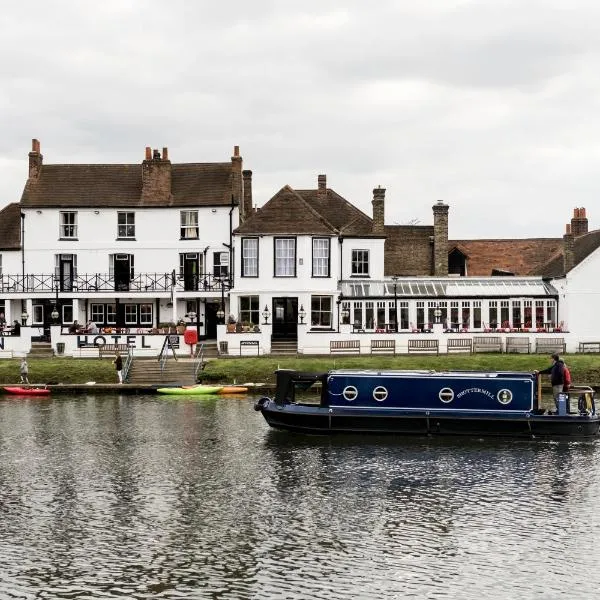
(191, 390)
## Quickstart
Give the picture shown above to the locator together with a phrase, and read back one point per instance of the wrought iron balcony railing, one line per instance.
(104, 282)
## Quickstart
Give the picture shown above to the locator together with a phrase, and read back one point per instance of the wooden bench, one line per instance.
(488, 343)
(460, 345)
(87, 351)
(425, 346)
(550, 345)
(106, 349)
(518, 344)
(589, 347)
(252, 344)
(344, 347)
(383, 346)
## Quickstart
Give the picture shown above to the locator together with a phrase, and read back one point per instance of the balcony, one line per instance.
(107, 283)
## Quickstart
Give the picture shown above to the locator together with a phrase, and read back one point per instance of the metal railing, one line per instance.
(128, 363)
(104, 282)
(198, 360)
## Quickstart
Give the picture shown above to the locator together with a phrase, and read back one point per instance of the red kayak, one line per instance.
(23, 391)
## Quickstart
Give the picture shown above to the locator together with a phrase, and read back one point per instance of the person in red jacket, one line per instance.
(557, 376)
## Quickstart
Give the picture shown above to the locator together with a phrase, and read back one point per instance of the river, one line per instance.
(153, 497)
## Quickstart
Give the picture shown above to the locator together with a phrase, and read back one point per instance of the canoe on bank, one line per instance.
(23, 391)
(191, 390)
(233, 389)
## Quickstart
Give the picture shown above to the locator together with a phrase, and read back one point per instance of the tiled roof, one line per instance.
(408, 250)
(521, 257)
(192, 184)
(584, 245)
(286, 213)
(10, 227)
(337, 210)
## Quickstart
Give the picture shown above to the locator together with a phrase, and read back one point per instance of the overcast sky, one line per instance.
(491, 105)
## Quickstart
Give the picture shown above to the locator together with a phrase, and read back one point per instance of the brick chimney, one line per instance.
(246, 211)
(322, 186)
(35, 160)
(440, 239)
(236, 170)
(378, 203)
(156, 177)
(579, 222)
(568, 250)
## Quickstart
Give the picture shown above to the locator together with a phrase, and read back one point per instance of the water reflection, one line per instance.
(143, 497)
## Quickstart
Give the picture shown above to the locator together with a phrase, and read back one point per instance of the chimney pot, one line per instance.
(148, 153)
(35, 145)
(236, 150)
(322, 184)
(165, 153)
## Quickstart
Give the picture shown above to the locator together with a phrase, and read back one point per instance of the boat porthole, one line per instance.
(350, 393)
(446, 395)
(380, 393)
(504, 396)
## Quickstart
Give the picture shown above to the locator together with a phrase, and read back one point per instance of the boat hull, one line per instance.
(325, 421)
(195, 390)
(21, 391)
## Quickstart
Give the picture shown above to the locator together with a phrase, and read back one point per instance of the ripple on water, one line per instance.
(143, 498)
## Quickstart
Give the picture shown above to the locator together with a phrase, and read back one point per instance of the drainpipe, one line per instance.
(23, 258)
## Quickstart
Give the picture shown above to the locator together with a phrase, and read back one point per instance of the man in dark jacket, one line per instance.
(557, 376)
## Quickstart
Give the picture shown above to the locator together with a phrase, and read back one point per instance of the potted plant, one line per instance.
(231, 324)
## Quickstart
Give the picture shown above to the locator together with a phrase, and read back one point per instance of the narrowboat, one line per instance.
(425, 403)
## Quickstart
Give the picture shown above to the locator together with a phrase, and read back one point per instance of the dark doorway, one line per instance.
(66, 272)
(123, 268)
(285, 318)
(210, 320)
(190, 271)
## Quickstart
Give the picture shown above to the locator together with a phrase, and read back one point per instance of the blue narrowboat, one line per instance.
(425, 403)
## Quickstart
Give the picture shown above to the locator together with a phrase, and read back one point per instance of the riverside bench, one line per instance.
(488, 343)
(550, 345)
(106, 349)
(424, 346)
(460, 345)
(344, 347)
(383, 346)
(589, 347)
(518, 344)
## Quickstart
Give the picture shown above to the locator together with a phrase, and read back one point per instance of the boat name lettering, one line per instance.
(475, 390)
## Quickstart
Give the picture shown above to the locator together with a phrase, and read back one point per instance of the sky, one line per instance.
(492, 106)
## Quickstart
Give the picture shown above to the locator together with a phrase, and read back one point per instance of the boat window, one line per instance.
(504, 396)
(350, 393)
(446, 395)
(380, 393)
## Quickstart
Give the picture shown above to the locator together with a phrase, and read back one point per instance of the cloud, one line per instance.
(491, 106)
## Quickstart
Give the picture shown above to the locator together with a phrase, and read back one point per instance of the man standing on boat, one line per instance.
(557, 376)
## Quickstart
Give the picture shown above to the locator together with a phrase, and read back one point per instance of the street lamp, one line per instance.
(54, 314)
(221, 315)
(395, 280)
(266, 314)
(302, 314)
(222, 309)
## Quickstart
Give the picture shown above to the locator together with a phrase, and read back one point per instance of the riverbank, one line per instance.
(585, 368)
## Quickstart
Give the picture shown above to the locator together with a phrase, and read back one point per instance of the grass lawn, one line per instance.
(585, 368)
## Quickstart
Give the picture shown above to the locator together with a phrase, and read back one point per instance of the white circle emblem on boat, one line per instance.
(380, 393)
(350, 393)
(446, 395)
(505, 396)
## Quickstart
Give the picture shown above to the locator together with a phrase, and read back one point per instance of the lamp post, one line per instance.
(395, 280)
(338, 302)
(302, 314)
(222, 309)
(266, 314)
(55, 314)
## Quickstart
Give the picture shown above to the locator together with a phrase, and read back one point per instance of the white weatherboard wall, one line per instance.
(156, 247)
(579, 299)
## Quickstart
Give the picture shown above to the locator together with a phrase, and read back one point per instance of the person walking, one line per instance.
(118, 362)
(24, 371)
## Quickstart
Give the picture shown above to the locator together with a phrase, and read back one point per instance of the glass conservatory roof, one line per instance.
(465, 287)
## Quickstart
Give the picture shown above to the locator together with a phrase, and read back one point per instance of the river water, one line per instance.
(152, 497)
